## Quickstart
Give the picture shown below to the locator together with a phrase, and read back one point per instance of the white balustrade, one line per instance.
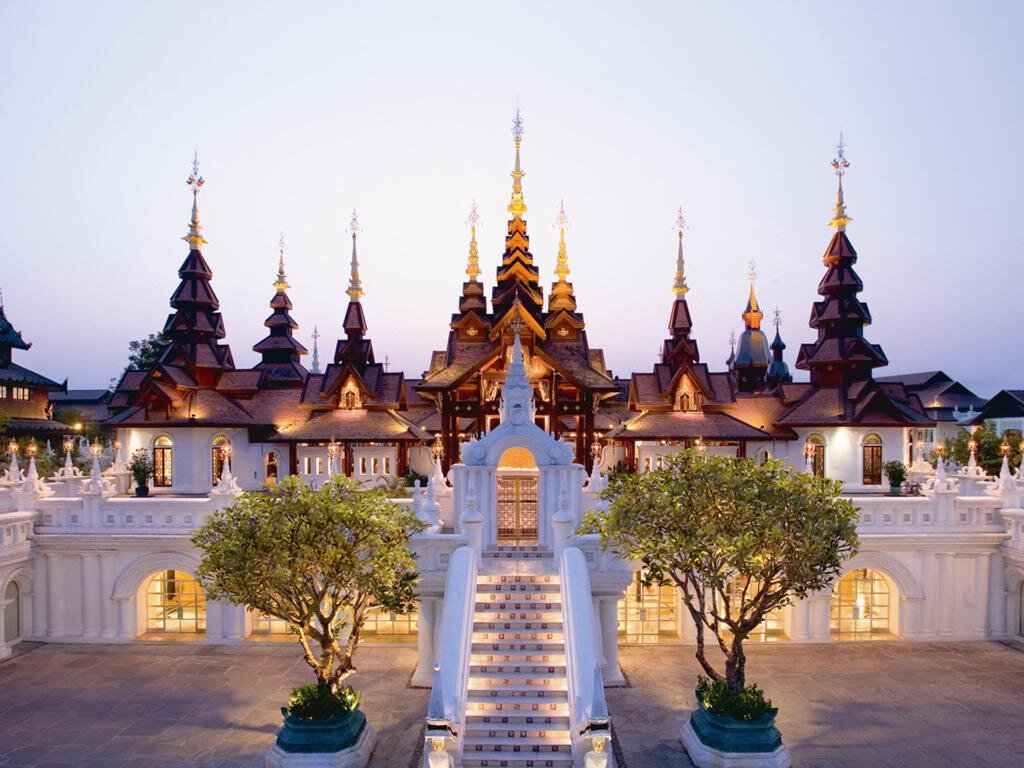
(944, 512)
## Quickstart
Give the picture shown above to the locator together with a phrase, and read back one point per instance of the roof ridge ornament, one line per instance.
(195, 182)
(473, 221)
(840, 164)
(679, 287)
(562, 224)
(281, 284)
(516, 206)
(355, 285)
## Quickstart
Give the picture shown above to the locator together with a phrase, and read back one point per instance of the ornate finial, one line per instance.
(679, 287)
(516, 206)
(315, 368)
(195, 182)
(387, 362)
(732, 341)
(473, 267)
(281, 284)
(355, 286)
(776, 318)
(752, 274)
(517, 321)
(562, 223)
(752, 315)
(839, 165)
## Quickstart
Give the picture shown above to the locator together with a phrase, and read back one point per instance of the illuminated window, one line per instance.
(872, 453)
(3, 390)
(319, 465)
(860, 606)
(362, 465)
(647, 614)
(350, 400)
(307, 465)
(684, 402)
(375, 465)
(816, 448)
(769, 630)
(217, 457)
(163, 460)
(20, 393)
(382, 626)
(175, 603)
(387, 465)
(12, 613)
(272, 468)
(268, 625)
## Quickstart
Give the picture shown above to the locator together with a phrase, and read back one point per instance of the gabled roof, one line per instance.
(16, 375)
(864, 403)
(676, 425)
(1006, 403)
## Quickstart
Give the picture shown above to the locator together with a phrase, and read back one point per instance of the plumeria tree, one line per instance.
(319, 560)
(739, 540)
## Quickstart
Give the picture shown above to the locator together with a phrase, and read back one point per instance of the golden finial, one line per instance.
(516, 206)
(355, 286)
(281, 284)
(195, 182)
(752, 315)
(679, 287)
(562, 223)
(776, 319)
(473, 267)
(839, 165)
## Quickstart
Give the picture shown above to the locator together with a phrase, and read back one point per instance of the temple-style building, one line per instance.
(25, 394)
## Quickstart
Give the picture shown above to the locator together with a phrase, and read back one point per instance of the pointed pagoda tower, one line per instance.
(280, 350)
(471, 322)
(563, 322)
(841, 355)
(196, 326)
(778, 371)
(354, 349)
(517, 275)
(315, 362)
(752, 356)
(679, 348)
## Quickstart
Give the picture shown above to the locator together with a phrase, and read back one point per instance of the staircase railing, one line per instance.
(446, 712)
(588, 712)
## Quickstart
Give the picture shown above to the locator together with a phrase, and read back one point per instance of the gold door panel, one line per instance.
(517, 508)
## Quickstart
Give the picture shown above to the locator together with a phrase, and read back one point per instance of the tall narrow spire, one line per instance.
(280, 351)
(355, 286)
(778, 371)
(281, 283)
(195, 182)
(315, 362)
(562, 224)
(473, 266)
(839, 165)
(561, 291)
(516, 206)
(679, 288)
(753, 355)
(752, 315)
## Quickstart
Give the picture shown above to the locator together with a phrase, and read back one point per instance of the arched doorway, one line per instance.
(175, 604)
(272, 468)
(871, 460)
(12, 613)
(862, 606)
(518, 496)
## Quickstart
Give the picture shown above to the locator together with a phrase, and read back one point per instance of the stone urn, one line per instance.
(720, 741)
(344, 741)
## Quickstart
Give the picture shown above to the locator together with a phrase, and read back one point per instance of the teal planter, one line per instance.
(729, 735)
(331, 735)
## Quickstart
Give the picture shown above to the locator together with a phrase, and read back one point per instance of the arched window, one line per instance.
(815, 448)
(647, 614)
(175, 603)
(860, 606)
(871, 450)
(272, 468)
(163, 455)
(350, 400)
(684, 402)
(217, 457)
(12, 613)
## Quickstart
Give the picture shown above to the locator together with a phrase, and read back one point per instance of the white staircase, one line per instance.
(517, 713)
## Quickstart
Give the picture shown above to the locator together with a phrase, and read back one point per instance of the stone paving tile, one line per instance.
(844, 705)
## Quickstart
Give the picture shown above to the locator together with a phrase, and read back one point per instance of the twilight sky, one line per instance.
(731, 110)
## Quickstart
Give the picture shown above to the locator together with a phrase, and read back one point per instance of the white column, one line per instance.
(90, 594)
(798, 621)
(127, 618)
(424, 674)
(997, 596)
(108, 614)
(39, 594)
(595, 603)
(945, 595)
(928, 621)
(610, 641)
(817, 617)
(981, 571)
(56, 625)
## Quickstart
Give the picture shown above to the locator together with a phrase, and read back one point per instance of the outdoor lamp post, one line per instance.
(96, 449)
(69, 444)
(32, 450)
(1005, 448)
(437, 448)
(225, 452)
(699, 447)
(12, 447)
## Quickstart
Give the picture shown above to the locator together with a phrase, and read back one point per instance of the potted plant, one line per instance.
(318, 560)
(739, 540)
(896, 471)
(140, 466)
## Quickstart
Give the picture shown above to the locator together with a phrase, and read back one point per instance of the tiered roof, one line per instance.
(752, 356)
(280, 350)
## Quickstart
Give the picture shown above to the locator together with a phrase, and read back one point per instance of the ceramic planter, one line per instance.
(338, 742)
(719, 741)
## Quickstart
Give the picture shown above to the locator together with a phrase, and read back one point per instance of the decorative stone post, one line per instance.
(563, 521)
(424, 674)
(610, 641)
(472, 521)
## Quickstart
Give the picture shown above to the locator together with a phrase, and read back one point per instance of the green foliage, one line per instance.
(989, 453)
(310, 702)
(140, 465)
(622, 468)
(719, 699)
(896, 471)
(73, 417)
(412, 476)
(739, 539)
(4, 421)
(143, 354)
(318, 559)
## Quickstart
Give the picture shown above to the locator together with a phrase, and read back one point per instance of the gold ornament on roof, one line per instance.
(839, 165)
(516, 206)
(355, 285)
(281, 284)
(195, 182)
(562, 223)
(679, 287)
(473, 267)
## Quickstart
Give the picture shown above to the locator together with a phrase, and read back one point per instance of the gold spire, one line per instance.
(195, 182)
(839, 165)
(473, 267)
(679, 288)
(516, 206)
(752, 315)
(561, 291)
(355, 286)
(281, 284)
(562, 222)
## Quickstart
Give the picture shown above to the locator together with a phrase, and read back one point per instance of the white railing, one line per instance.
(15, 533)
(922, 514)
(434, 551)
(446, 712)
(126, 514)
(588, 712)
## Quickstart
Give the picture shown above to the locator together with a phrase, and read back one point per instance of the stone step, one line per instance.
(517, 646)
(518, 658)
(517, 579)
(525, 555)
(505, 668)
(491, 612)
(552, 608)
(515, 691)
(538, 706)
(501, 683)
(518, 636)
(515, 760)
(516, 625)
(512, 742)
(523, 734)
(516, 720)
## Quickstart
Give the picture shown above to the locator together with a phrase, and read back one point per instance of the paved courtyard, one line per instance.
(158, 705)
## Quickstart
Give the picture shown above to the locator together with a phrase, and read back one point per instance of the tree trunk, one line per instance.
(736, 667)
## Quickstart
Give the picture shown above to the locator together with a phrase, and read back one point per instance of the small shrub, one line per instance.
(309, 702)
(748, 704)
(140, 466)
(412, 476)
(896, 471)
